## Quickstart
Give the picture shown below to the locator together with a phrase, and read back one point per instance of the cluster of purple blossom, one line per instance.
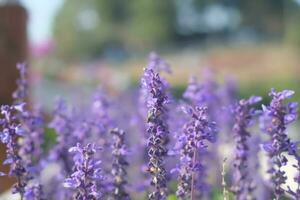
(152, 144)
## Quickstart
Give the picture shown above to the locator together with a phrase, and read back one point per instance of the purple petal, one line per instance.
(8, 161)
(287, 94)
(71, 183)
(5, 137)
(187, 110)
(174, 171)
(254, 99)
(73, 149)
(293, 105)
(19, 131)
(76, 148)
(267, 146)
(289, 118)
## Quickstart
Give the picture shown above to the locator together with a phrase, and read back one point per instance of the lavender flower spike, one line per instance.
(31, 121)
(196, 132)
(158, 131)
(21, 93)
(30, 145)
(9, 134)
(243, 114)
(86, 175)
(35, 192)
(275, 120)
(62, 124)
(119, 165)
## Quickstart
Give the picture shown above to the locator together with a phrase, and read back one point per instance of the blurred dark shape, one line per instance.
(13, 49)
(266, 17)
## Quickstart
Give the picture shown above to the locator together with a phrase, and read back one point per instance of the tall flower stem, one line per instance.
(275, 120)
(196, 132)
(224, 185)
(243, 113)
(9, 135)
(119, 151)
(87, 173)
(193, 174)
(158, 132)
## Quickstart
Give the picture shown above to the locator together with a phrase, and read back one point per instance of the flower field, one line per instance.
(150, 142)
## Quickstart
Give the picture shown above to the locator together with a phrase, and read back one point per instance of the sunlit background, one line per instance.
(86, 43)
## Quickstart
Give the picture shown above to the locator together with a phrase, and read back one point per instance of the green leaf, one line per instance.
(50, 138)
(172, 197)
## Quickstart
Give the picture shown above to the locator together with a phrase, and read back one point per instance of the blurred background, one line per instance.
(72, 46)
(74, 43)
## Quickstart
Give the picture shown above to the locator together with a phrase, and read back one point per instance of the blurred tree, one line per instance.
(263, 16)
(89, 29)
(85, 29)
(292, 19)
(77, 31)
(152, 23)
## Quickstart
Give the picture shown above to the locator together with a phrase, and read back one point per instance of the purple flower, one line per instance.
(218, 100)
(35, 192)
(86, 175)
(9, 135)
(118, 171)
(193, 91)
(203, 94)
(243, 113)
(158, 131)
(32, 127)
(196, 133)
(62, 124)
(274, 122)
(23, 135)
(21, 93)
(157, 63)
(100, 116)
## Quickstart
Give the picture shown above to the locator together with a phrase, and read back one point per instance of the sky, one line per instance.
(41, 16)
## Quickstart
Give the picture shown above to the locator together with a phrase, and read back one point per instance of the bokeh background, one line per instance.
(73, 46)
(74, 42)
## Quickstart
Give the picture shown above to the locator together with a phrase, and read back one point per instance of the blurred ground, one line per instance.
(256, 68)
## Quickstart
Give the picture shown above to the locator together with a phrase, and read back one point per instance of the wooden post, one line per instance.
(13, 49)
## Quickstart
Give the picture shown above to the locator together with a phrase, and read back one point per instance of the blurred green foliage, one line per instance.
(217, 194)
(260, 88)
(151, 23)
(85, 30)
(172, 197)
(292, 23)
(50, 138)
